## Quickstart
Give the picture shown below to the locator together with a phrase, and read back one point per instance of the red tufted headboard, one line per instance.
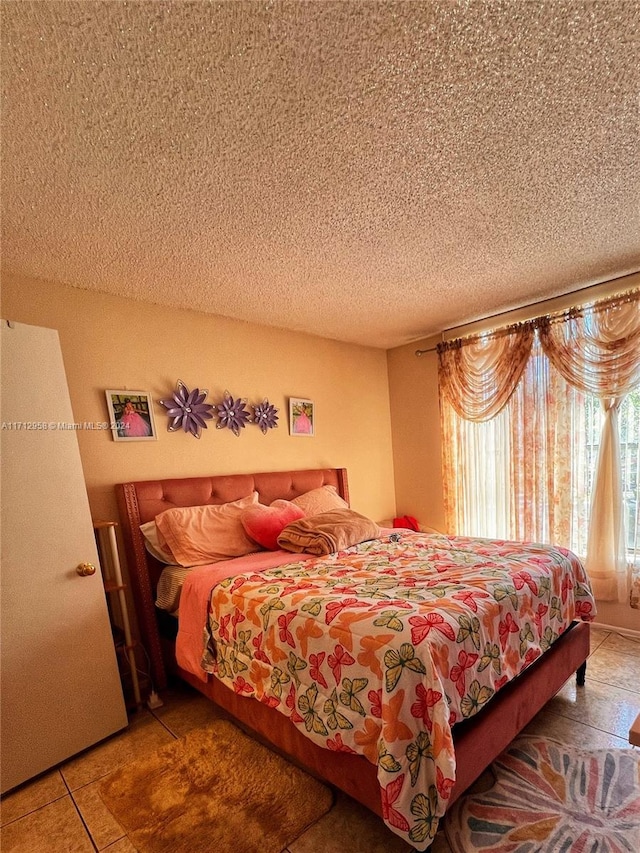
(142, 501)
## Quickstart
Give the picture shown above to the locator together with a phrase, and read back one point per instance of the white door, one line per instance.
(61, 691)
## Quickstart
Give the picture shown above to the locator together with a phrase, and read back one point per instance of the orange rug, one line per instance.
(214, 789)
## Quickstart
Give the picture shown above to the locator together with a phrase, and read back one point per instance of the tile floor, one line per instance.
(61, 811)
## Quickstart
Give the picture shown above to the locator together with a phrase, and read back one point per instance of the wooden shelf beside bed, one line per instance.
(125, 645)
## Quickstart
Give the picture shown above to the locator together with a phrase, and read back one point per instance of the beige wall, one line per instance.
(110, 342)
(415, 423)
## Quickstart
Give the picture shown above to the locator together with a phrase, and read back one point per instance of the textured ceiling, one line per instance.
(366, 171)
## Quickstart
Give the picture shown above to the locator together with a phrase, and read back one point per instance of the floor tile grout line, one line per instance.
(78, 812)
(627, 656)
(106, 773)
(69, 794)
(165, 726)
(44, 805)
(84, 825)
(587, 725)
(79, 809)
(608, 684)
(34, 810)
(631, 641)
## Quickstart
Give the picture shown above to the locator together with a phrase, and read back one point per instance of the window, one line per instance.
(530, 471)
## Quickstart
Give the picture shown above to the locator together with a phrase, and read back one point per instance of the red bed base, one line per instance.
(477, 741)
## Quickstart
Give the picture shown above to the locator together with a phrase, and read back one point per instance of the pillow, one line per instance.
(197, 535)
(328, 532)
(265, 523)
(320, 500)
(152, 543)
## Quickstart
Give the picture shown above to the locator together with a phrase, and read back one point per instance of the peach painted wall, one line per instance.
(111, 342)
(415, 423)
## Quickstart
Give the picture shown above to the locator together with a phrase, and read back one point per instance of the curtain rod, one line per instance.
(421, 352)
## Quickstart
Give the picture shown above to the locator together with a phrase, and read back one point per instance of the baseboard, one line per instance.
(626, 632)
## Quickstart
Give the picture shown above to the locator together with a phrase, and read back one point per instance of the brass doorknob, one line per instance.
(84, 569)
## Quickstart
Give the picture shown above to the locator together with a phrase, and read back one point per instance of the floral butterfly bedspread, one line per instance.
(381, 648)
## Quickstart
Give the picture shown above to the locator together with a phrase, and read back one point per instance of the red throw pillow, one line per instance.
(265, 523)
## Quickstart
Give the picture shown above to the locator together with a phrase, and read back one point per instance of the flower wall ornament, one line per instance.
(233, 414)
(187, 409)
(265, 415)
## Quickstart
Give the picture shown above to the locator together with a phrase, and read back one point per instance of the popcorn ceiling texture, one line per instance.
(366, 171)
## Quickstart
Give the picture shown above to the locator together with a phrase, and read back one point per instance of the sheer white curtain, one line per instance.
(520, 475)
(598, 351)
(606, 560)
(481, 500)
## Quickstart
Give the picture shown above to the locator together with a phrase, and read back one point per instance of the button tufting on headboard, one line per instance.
(141, 501)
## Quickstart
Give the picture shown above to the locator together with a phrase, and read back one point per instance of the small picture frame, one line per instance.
(302, 419)
(131, 415)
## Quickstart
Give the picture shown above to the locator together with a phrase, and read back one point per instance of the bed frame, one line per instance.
(478, 741)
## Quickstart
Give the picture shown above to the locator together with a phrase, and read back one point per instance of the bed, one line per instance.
(494, 709)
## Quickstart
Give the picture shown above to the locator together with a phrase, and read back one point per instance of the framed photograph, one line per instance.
(131, 415)
(301, 417)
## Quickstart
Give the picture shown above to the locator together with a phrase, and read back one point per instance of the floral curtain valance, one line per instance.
(596, 349)
(479, 376)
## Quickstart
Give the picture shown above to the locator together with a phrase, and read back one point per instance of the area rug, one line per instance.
(547, 797)
(214, 790)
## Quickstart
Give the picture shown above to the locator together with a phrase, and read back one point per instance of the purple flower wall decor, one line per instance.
(265, 415)
(187, 409)
(233, 414)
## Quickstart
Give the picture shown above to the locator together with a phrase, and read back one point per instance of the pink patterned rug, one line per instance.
(548, 797)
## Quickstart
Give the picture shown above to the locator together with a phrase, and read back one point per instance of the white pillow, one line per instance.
(152, 543)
